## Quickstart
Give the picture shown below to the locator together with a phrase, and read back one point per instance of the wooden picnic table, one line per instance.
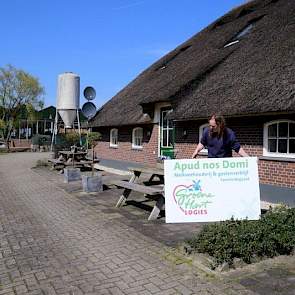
(146, 188)
(69, 158)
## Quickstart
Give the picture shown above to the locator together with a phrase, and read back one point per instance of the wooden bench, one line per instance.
(155, 172)
(90, 159)
(148, 190)
(62, 164)
(56, 162)
(84, 163)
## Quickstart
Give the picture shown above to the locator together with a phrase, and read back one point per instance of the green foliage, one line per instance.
(31, 112)
(2, 124)
(20, 93)
(39, 139)
(92, 137)
(72, 138)
(41, 163)
(272, 235)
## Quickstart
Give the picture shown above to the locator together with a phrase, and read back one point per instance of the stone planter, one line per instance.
(72, 174)
(92, 183)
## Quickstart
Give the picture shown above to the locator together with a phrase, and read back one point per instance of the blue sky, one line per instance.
(107, 42)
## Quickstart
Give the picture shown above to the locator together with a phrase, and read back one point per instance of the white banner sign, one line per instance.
(201, 190)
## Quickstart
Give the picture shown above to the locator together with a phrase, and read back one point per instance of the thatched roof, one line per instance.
(202, 75)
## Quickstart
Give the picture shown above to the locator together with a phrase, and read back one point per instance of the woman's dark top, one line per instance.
(220, 147)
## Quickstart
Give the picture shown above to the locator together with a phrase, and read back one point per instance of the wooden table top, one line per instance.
(72, 153)
(149, 170)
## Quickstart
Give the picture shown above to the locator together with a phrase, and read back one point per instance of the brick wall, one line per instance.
(148, 154)
(249, 132)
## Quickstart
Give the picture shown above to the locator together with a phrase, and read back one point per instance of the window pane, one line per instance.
(283, 129)
(245, 31)
(114, 137)
(164, 119)
(272, 130)
(137, 136)
(292, 146)
(292, 129)
(138, 141)
(138, 132)
(170, 143)
(272, 145)
(164, 138)
(282, 148)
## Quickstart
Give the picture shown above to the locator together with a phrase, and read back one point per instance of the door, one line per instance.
(166, 134)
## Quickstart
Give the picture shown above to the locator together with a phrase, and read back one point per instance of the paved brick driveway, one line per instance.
(53, 243)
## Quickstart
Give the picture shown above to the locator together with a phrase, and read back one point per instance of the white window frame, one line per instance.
(167, 129)
(265, 140)
(114, 137)
(135, 137)
(204, 151)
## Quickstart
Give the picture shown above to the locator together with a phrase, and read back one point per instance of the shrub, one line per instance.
(41, 163)
(93, 137)
(39, 139)
(69, 139)
(72, 138)
(273, 234)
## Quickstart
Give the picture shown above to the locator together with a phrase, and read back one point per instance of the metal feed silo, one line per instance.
(68, 96)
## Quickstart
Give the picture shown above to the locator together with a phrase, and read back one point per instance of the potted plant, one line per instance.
(72, 173)
(93, 181)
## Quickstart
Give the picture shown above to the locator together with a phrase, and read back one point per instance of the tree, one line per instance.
(19, 92)
(92, 138)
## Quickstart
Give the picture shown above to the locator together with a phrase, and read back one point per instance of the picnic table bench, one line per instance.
(57, 162)
(148, 190)
(69, 158)
(145, 188)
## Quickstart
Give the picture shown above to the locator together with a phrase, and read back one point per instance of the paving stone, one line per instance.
(21, 289)
(152, 288)
(6, 291)
(56, 241)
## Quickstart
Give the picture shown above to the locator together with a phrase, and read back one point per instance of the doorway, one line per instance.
(166, 134)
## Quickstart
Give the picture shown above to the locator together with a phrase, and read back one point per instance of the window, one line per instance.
(279, 139)
(240, 35)
(167, 140)
(114, 138)
(165, 64)
(137, 135)
(204, 151)
(245, 31)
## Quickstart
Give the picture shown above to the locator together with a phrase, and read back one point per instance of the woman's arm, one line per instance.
(197, 150)
(242, 153)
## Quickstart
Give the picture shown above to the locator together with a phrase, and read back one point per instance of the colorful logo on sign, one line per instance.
(191, 199)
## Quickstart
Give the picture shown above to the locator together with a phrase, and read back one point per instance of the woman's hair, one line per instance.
(220, 125)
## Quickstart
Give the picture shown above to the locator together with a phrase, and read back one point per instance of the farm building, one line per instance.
(241, 66)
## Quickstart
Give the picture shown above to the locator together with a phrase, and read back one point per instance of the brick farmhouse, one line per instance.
(241, 66)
